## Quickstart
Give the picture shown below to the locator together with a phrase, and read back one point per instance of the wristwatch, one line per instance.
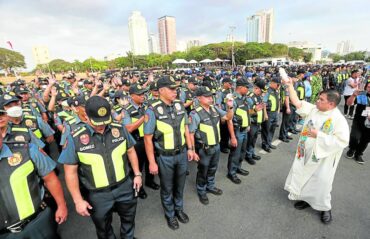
(138, 174)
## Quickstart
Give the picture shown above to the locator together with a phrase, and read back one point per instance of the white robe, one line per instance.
(311, 177)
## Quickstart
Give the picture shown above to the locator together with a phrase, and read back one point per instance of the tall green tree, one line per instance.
(11, 59)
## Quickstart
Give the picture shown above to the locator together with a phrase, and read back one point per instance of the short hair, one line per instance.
(354, 71)
(332, 96)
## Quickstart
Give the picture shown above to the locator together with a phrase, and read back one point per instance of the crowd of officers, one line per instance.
(107, 130)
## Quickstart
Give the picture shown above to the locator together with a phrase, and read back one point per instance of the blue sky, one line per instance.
(78, 29)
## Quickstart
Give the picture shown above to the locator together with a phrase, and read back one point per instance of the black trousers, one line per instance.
(268, 128)
(42, 227)
(207, 167)
(120, 199)
(359, 138)
(225, 135)
(349, 109)
(284, 127)
(252, 139)
(143, 160)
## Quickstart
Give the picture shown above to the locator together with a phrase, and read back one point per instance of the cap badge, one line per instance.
(102, 111)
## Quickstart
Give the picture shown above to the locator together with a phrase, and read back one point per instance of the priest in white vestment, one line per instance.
(324, 135)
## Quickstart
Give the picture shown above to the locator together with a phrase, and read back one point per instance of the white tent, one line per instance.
(218, 60)
(193, 62)
(206, 61)
(180, 61)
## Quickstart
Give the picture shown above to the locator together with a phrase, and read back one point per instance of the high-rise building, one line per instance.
(41, 55)
(260, 26)
(167, 34)
(344, 47)
(153, 44)
(192, 43)
(138, 33)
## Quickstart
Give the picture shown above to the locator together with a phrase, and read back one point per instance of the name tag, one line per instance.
(180, 112)
(87, 147)
(163, 117)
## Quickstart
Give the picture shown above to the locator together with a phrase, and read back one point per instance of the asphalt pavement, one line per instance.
(256, 208)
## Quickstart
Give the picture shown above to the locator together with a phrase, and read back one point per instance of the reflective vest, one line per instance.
(63, 115)
(189, 97)
(208, 132)
(19, 133)
(258, 117)
(31, 122)
(301, 90)
(102, 161)
(20, 195)
(339, 78)
(241, 115)
(170, 125)
(135, 116)
(273, 101)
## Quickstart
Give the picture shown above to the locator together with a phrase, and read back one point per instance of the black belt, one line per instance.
(171, 152)
(19, 226)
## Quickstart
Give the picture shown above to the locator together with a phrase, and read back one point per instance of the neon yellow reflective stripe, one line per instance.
(273, 102)
(301, 92)
(119, 167)
(259, 116)
(21, 191)
(208, 130)
(97, 167)
(167, 132)
(218, 132)
(191, 106)
(78, 132)
(244, 115)
(29, 117)
(141, 127)
(182, 130)
(38, 133)
(20, 129)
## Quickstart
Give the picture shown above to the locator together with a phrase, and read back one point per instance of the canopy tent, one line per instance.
(180, 61)
(206, 61)
(193, 62)
(218, 60)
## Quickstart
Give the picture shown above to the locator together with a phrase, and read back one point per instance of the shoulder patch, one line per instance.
(156, 103)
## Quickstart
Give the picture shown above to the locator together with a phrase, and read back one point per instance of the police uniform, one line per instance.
(205, 125)
(103, 169)
(21, 166)
(268, 127)
(224, 143)
(133, 113)
(167, 125)
(241, 123)
(284, 126)
(257, 117)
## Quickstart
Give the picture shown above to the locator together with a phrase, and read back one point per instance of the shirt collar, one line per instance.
(5, 152)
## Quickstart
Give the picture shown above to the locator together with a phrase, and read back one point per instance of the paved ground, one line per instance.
(257, 208)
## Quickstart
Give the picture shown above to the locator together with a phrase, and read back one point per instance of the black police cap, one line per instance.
(137, 89)
(203, 91)
(167, 81)
(98, 110)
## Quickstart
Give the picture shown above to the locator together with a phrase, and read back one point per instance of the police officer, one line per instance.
(238, 129)
(166, 124)
(23, 214)
(187, 95)
(286, 113)
(257, 117)
(273, 108)
(95, 157)
(205, 132)
(227, 89)
(134, 122)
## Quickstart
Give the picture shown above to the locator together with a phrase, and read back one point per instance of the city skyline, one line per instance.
(76, 30)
